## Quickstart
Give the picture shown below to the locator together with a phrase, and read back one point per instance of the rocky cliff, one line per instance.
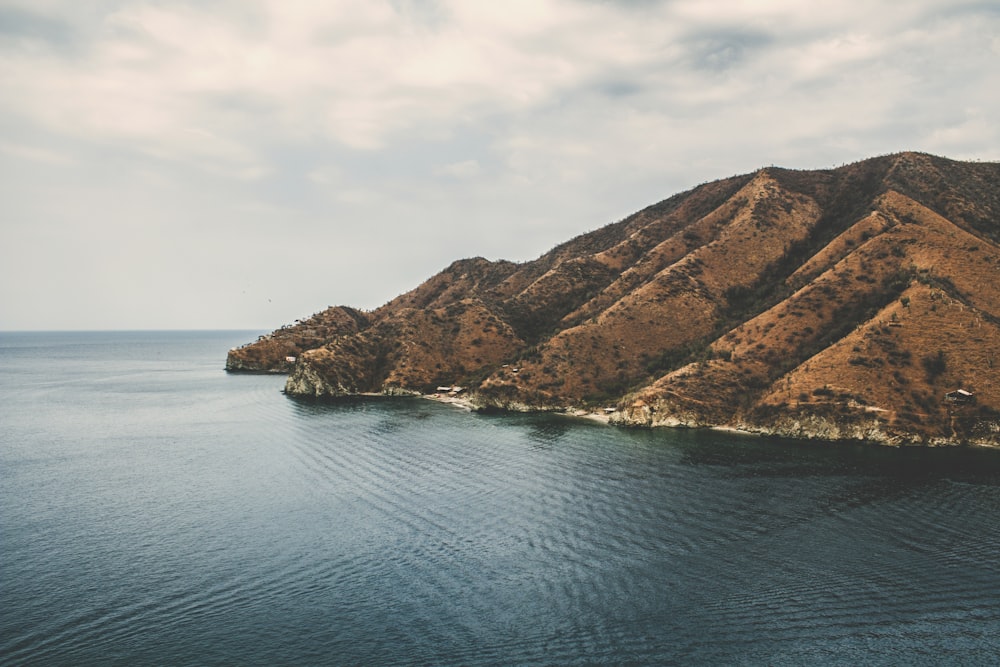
(839, 304)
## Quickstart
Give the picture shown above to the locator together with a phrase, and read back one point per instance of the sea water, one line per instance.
(156, 510)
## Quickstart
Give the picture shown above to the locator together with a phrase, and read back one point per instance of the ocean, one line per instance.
(155, 510)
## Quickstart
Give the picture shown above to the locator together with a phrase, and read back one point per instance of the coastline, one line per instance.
(821, 432)
(466, 404)
(456, 401)
(605, 419)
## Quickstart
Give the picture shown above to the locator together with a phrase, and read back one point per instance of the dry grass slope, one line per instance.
(842, 303)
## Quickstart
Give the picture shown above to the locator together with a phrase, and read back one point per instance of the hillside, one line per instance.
(835, 304)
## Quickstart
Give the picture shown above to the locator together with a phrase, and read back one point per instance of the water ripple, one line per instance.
(216, 522)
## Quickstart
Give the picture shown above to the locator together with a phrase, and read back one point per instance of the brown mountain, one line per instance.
(850, 303)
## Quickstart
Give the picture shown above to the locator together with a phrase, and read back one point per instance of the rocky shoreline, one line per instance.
(803, 427)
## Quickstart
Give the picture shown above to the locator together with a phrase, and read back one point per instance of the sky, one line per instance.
(240, 164)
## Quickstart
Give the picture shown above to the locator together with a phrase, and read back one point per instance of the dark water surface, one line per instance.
(155, 510)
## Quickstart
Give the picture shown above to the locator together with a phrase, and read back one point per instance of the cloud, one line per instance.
(723, 50)
(541, 118)
(23, 27)
(35, 153)
(463, 169)
(192, 82)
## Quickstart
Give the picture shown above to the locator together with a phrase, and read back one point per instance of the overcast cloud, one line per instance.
(243, 163)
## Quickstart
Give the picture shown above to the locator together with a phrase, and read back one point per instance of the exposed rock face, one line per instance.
(839, 304)
(305, 381)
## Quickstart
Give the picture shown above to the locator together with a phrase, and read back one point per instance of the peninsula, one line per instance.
(857, 303)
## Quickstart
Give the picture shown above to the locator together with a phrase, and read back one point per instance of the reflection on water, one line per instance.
(548, 432)
(214, 521)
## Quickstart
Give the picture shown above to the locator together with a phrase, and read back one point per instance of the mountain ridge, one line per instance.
(845, 303)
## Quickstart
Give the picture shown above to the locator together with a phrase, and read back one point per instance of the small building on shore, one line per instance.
(960, 397)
